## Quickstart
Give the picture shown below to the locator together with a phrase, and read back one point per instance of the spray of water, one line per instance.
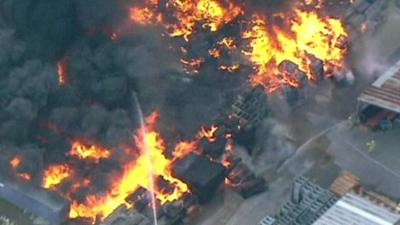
(148, 156)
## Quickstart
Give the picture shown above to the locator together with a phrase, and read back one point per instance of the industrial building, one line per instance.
(359, 206)
(347, 203)
(42, 203)
(359, 209)
(384, 92)
(379, 104)
(308, 202)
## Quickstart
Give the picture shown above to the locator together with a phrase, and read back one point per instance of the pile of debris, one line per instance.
(250, 107)
(242, 179)
(141, 212)
(202, 175)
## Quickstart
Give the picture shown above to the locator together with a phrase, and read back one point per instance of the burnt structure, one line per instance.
(44, 204)
(202, 175)
(122, 215)
(250, 107)
(243, 180)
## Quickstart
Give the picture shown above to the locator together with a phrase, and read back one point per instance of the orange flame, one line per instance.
(83, 151)
(145, 16)
(214, 52)
(192, 66)
(208, 133)
(211, 14)
(183, 148)
(231, 68)
(55, 174)
(311, 35)
(228, 43)
(15, 161)
(135, 174)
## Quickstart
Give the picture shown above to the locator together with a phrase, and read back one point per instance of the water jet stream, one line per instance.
(148, 156)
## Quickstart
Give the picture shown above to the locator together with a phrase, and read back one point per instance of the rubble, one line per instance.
(246, 137)
(316, 67)
(250, 107)
(122, 215)
(140, 198)
(213, 149)
(252, 187)
(242, 180)
(290, 68)
(342, 42)
(174, 211)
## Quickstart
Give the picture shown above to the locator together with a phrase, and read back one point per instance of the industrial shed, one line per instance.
(45, 204)
(379, 104)
(384, 92)
(357, 209)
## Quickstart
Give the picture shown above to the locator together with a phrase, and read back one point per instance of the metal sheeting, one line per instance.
(384, 92)
(358, 210)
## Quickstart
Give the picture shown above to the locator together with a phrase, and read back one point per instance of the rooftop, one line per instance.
(358, 210)
(385, 92)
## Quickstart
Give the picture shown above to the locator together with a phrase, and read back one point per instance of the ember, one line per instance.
(209, 133)
(15, 161)
(62, 75)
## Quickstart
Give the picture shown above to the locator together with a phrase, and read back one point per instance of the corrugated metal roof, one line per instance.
(385, 92)
(358, 210)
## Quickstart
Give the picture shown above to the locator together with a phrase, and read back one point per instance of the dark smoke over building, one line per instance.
(69, 68)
